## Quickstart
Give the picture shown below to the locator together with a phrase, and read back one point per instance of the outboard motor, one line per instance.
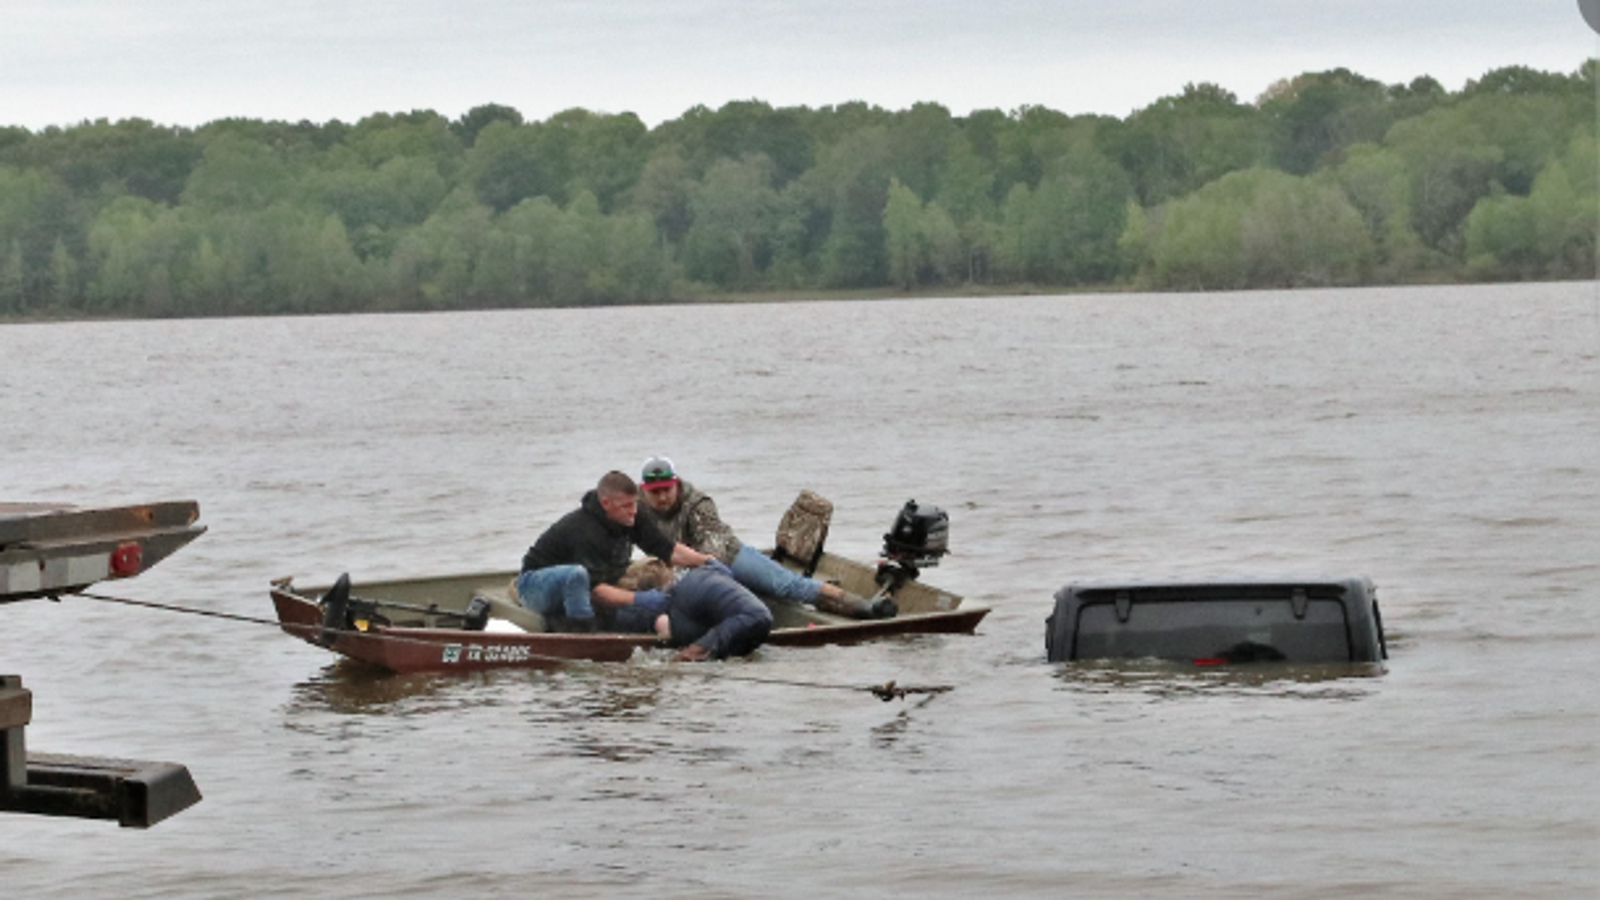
(919, 538)
(335, 611)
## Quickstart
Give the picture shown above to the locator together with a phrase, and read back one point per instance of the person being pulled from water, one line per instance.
(570, 574)
(709, 615)
(689, 516)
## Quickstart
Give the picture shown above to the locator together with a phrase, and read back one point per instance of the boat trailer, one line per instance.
(47, 550)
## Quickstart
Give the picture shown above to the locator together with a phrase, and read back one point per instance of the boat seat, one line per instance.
(503, 605)
(803, 530)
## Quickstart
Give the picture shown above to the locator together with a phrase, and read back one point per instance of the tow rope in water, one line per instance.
(889, 690)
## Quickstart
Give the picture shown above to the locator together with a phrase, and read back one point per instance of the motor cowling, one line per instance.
(920, 536)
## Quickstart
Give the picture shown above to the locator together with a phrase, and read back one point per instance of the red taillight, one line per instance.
(127, 559)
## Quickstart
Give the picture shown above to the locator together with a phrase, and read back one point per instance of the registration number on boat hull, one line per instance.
(486, 653)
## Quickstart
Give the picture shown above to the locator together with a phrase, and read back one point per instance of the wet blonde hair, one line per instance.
(646, 574)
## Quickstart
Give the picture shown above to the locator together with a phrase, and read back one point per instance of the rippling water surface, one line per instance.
(1442, 441)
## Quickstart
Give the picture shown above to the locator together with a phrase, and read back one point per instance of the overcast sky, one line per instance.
(186, 62)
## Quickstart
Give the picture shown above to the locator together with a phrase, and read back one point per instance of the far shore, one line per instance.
(780, 296)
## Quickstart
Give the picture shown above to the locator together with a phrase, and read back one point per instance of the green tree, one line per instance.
(467, 127)
(1315, 116)
(966, 185)
(1066, 231)
(920, 139)
(235, 173)
(922, 241)
(376, 205)
(418, 135)
(14, 294)
(663, 191)
(1523, 81)
(608, 157)
(434, 266)
(213, 281)
(1452, 166)
(518, 266)
(1378, 185)
(133, 246)
(1179, 143)
(732, 212)
(638, 267)
(1303, 232)
(64, 288)
(1034, 138)
(1260, 228)
(851, 182)
(1551, 233)
(510, 163)
(799, 230)
(103, 158)
(25, 196)
(740, 129)
(902, 226)
(1529, 131)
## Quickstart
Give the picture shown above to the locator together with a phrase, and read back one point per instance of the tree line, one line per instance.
(1328, 178)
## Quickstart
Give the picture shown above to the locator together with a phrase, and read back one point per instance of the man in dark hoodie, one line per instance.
(570, 574)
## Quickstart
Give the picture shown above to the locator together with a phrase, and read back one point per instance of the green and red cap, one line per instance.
(658, 472)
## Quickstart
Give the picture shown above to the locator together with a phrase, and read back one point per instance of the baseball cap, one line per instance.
(658, 472)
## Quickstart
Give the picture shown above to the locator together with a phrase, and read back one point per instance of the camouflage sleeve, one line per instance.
(711, 534)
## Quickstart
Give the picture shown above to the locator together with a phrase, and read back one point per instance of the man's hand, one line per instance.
(692, 653)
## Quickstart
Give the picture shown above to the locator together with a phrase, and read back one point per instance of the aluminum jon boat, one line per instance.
(472, 622)
(423, 625)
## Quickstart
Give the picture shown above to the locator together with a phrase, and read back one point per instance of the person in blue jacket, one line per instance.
(709, 615)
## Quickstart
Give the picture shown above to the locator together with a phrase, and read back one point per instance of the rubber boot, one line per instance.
(858, 607)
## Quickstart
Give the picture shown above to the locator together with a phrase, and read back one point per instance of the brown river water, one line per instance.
(1444, 442)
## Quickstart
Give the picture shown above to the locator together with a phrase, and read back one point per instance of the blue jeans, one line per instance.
(562, 590)
(765, 576)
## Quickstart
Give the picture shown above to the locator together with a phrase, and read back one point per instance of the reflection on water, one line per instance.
(577, 690)
(350, 687)
(890, 734)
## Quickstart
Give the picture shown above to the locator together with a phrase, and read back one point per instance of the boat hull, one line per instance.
(422, 632)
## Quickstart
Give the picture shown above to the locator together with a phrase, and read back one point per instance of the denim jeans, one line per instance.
(562, 590)
(764, 575)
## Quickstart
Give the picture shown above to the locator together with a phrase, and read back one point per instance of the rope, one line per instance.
(254, 620)
(294, 627)
(886, 692)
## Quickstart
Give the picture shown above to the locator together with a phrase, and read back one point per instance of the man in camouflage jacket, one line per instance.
(689, 516)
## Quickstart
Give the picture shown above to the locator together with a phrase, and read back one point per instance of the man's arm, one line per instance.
(685, 556)
(711, 534)
(611, 595)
